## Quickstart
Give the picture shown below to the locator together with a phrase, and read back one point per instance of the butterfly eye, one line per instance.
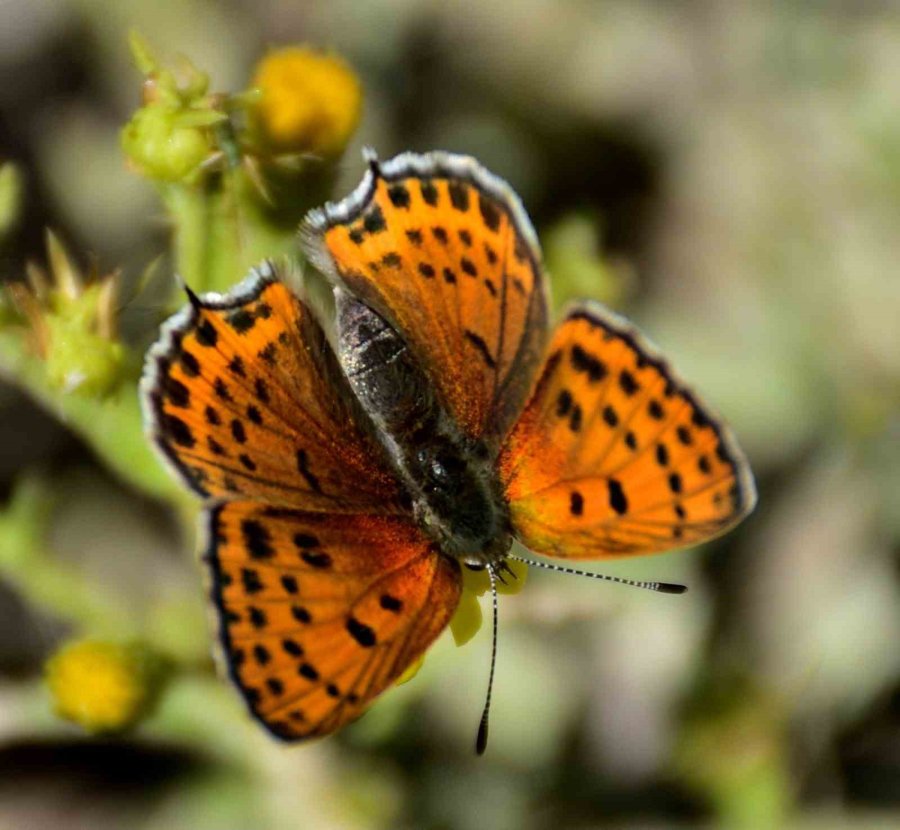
(442, 470)
(438, 472)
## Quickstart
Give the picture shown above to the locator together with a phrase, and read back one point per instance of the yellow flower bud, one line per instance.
(309, 102)
(103, 687)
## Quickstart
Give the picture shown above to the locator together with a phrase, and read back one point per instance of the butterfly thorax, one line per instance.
(455, 493)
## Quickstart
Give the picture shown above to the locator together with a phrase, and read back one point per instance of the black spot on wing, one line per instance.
(189, 364)
(459, 195)
(257, 539)
(362, 633)
(390, 603)
(177, 393)
(576, 503)
(575, 417)
(429, 192)
(627, 383)
(176, 429)
(481, 347)
(237, 431)
(662, 455)
(592, 366)
(301, 614)
(316, 559)
(240, 320)
(236, 366)
(207, 334)
(490, 213)
(373, 221)
(251, 581)
(262, 390)
(303, 469)
(617, 500)
(399, 196)
(220, 388)
(308, 671)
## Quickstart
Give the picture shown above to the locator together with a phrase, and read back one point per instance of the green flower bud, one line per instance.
(80, 361)
(162, 148)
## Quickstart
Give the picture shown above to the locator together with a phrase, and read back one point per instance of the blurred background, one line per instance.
(727, 175)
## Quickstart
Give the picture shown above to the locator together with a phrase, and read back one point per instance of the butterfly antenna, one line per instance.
(661, 587)
(482, 739)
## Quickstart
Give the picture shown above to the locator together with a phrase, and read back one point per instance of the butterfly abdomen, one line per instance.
(453, 487)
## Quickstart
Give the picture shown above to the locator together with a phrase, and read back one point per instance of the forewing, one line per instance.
(244, 397)
(614, 455)
(320, 614)
(445, 252)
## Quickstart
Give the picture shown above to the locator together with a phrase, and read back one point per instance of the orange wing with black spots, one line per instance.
(319, 614)
(444, 251)
(613, 455)
(244, 397)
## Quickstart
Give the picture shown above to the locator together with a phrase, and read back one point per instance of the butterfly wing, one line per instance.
(325, 590)
(443, 250)
(319, 614)
(614, 455)
(244, 398)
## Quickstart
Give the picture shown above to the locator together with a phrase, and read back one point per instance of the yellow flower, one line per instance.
(467, 618)
(479, 583)
(309, 101)
(103, 687)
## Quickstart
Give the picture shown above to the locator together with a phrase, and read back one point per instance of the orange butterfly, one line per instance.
(345, 486)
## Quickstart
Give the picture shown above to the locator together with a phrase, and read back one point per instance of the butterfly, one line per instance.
(351, 471)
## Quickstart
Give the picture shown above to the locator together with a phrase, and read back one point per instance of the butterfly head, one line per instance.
(458, 506)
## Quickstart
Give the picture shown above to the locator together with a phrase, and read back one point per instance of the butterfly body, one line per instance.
(344, 486)
(456, 495)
